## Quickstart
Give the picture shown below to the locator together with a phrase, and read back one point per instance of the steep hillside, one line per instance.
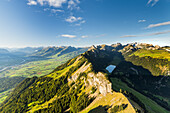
(34, 68)
(153, 58)
(136, 76)
(142, 81)
(70, 87)
(7, 84)
(83, 84)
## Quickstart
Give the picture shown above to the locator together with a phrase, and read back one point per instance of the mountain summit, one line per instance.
(139, 83)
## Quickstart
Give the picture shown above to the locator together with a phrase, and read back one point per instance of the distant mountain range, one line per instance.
(140, 83)
(24, 50)
(16, 65)
(3, 51)
(50, 51)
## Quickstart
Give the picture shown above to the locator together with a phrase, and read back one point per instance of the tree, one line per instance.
(73, 106)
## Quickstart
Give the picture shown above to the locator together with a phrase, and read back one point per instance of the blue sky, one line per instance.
(83, 22)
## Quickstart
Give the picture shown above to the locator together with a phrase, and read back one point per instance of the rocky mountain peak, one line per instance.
(92, 47)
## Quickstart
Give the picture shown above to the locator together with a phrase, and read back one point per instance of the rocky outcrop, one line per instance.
(82, 69)
(92, 47)
(135, 46)
(97, 80)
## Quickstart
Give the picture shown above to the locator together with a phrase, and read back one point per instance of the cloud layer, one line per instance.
(159, 24)
(152, 2)
(56, 3)
(84, 36)
(77, 20)
(31, 2)
(73, 4)
(151, 34)
(141, 21)
(72, 19)
(64, 5)
(68, 36)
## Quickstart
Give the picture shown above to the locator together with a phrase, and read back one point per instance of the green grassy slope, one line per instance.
(160, 54)
(150, 105)
(35, 94)
(156, 61)
(42, 67)
(58, 92)
(4, 95)
(35, 68)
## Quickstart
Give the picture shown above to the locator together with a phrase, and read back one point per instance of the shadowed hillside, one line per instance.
(83, 84)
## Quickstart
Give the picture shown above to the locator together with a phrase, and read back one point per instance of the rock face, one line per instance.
(136, 46)
(105, 88)
(97, 80)
(92, 47)
(83, 68)
(117, 46)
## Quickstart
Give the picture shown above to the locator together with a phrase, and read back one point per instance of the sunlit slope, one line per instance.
(37, 68)
(156, 61)
(34, 93)
(83, 84)
(150, 105)
(42, 67)
(104, 104)
(159, 54)
(70, 87)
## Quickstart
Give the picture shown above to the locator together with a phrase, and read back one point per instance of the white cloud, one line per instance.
(73, 4)
(81, 22)
(68, 36)
(152, 2)
(128, 36)
(159, 24)
(158, 33)
(31, 2)
(46, 9)
(72, 19)
(54, 3)
(64, 5)
(141, 21)
(53, 10)
(84, 36)
(56, 10)
(151, 34)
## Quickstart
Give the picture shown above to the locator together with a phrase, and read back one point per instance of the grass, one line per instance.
(163, 98)
(110, 100)
(39, 68)
(160, 54)
(4, 95)
(35, 106)
(150, 105)
(62, 72)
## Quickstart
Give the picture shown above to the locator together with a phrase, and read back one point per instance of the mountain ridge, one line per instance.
(82, 81)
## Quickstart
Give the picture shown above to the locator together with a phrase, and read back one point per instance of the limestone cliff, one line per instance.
(92, 79)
